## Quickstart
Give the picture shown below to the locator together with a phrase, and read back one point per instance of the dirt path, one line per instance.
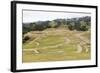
(33, 50)
(66, 41)
(82, 38)
(37, 43)
(35, 40)
(79, 49)
(84, 41)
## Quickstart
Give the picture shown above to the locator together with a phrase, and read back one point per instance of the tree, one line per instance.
(52, 24)
(32, 26)
(71, 26)
(83, 26)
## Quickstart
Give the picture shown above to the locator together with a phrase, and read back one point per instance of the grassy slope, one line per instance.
(52, 37)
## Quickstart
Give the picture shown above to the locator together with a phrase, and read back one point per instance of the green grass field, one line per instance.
(56, 45)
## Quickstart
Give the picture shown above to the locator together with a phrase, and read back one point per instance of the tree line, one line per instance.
(79, 23)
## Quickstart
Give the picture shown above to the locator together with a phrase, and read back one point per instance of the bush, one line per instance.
(71, 26)
(83, 26)
(26, 38)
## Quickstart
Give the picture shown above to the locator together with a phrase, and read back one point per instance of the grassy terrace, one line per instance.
(56, 45)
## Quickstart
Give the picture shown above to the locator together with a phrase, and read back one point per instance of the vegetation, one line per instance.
(71, 26)
(26, 38)
(80, 24)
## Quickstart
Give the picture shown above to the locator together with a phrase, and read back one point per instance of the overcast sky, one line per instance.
(33, 16)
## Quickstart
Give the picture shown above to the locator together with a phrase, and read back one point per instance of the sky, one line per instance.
(33, 16)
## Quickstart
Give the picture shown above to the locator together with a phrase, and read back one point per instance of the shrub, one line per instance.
(25, 38)
(83, 26)
(71, 26)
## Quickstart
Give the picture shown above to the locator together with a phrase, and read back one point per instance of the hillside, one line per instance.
(56, 44)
